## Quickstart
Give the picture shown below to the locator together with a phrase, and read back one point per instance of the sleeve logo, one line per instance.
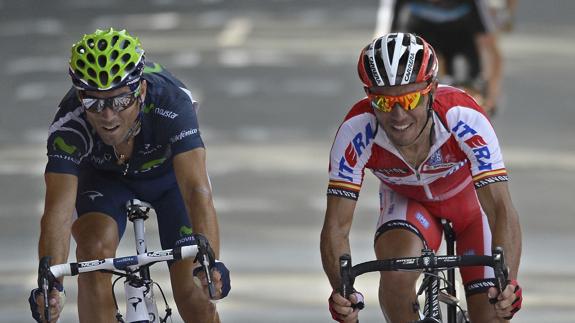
(476, 142)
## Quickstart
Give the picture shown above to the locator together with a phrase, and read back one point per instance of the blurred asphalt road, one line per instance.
(274, 79)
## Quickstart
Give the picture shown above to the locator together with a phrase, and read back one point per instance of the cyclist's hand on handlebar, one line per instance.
(57, 299)
(345, 310)
(508, 302)
(220, 278)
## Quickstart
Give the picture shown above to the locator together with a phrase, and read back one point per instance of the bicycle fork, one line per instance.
(431, 309)
(141, 305)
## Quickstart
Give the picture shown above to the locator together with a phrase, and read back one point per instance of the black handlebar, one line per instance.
(426, 261)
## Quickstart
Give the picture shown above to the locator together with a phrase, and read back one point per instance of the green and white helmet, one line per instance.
(106, 60)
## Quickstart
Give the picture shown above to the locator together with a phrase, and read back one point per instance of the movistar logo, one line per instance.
(149, 108)
(156, 68)
(60, 144)
(152, 164)
(185, 231)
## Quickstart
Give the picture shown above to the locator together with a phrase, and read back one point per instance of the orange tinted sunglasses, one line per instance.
(407, 101)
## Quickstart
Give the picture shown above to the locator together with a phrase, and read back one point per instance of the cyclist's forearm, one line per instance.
(56, 223)
(507, 234)
(332, 246)
(203, 218)
(335, 236)
(55, 238)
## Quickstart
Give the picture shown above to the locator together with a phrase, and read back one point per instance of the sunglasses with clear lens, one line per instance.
(407, 101)
(117, 103)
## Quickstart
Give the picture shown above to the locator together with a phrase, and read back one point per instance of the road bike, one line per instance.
(141, 304)
(435, 287)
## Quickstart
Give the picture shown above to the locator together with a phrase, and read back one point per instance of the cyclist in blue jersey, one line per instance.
(127, 129)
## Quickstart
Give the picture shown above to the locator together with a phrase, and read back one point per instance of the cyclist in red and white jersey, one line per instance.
(437, 156)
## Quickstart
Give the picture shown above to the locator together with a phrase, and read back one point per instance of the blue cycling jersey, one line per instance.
(168, 126)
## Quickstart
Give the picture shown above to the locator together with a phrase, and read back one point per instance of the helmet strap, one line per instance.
(136, 126)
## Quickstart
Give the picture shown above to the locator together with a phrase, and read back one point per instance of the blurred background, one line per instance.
(274, 79)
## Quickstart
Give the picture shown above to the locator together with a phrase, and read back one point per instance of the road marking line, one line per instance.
(235, 32)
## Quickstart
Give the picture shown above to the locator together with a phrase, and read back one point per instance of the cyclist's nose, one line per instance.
(107, 112)
(397, 111)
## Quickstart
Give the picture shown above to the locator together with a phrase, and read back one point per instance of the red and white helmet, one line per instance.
(397, 59)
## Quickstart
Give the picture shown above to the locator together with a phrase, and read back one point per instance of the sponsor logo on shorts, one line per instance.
(421, 218)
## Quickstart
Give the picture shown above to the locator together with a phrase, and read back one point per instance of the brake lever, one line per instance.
(345, 272)
(206, 263)
(500, 269)
(44, 284)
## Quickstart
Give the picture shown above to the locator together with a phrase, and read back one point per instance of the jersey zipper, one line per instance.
(426, 188)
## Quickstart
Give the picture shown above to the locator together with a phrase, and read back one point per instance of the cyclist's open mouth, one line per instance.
(110, 129)
(401, 127)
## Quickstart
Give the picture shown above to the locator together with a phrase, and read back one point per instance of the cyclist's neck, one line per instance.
(123, 150)
(416, 152)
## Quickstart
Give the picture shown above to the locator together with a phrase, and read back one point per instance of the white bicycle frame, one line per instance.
(140, 302)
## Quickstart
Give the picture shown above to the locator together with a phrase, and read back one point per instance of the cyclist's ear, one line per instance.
(434, 85)
(144, 87)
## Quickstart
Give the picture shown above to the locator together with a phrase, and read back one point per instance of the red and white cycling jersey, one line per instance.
(464, 156)
(465, 149)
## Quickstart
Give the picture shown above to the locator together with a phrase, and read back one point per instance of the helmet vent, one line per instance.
(80, 63)
(81, 49)
(79, 74)
(102, 60)
(113, 55)
(126, 57)
(91, 58)
(102, 44)
(90, 43)
(115, 69)
(130, 67)
(103, 77)
(91, 72)
(125, 44)
(114, 40)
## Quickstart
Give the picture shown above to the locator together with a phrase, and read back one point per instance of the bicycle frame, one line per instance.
(142, 287)
(140, 302)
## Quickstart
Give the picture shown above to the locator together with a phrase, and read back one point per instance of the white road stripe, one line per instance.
(235, 32)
